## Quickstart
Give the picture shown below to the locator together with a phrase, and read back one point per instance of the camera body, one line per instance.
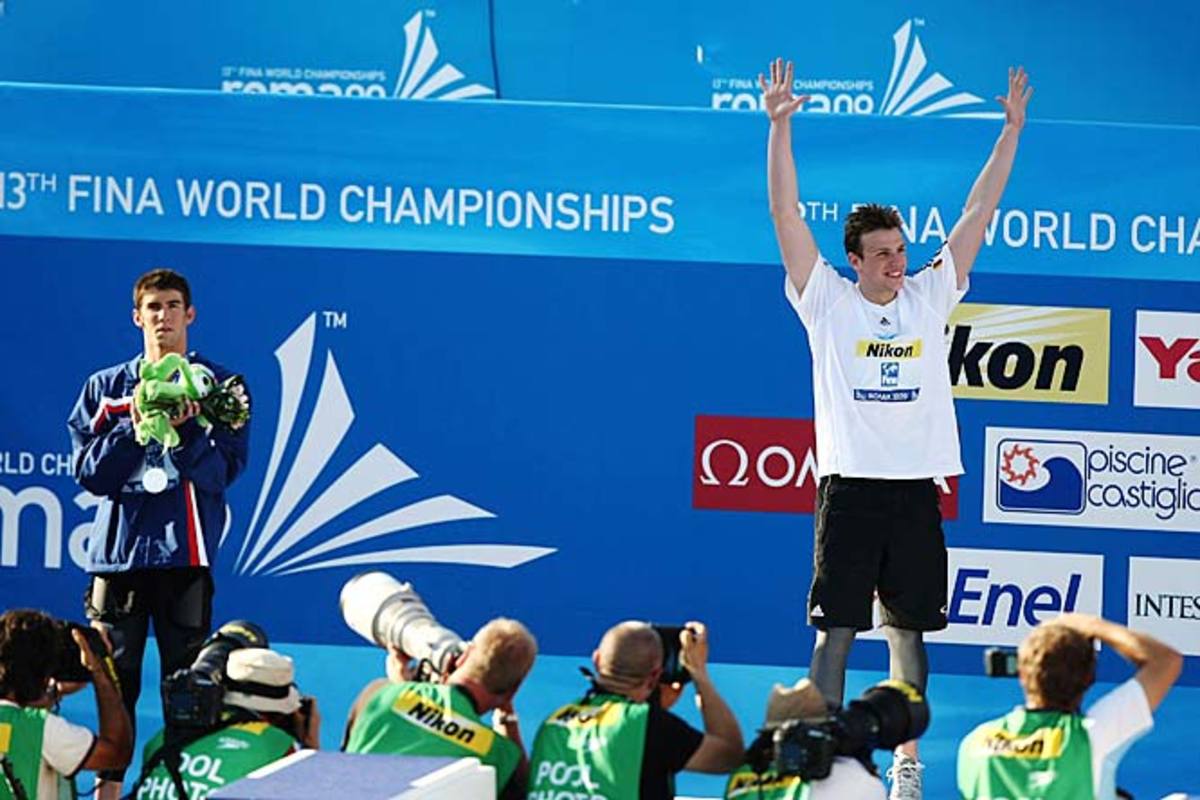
(673, 670)
(193, 697)
(888, 714)
(1000, 662)
(69, 667)
(392, 615)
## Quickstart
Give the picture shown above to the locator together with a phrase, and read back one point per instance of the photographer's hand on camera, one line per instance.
(722, 747)
(114, 742)
(307, 723)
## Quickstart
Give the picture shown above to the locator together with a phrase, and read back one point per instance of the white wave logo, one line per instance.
(267, 550)
(420, 55)
(906, 97)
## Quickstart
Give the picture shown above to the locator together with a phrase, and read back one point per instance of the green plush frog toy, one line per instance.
(167, 384)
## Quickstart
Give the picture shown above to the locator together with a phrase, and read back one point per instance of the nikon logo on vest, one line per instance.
(1042, 743)
(766, 464)
(1000, 352)
(1164, 600)
(443, 722)
(574, 716)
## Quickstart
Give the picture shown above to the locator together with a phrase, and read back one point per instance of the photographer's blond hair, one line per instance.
(1057, 664)
(501, 655)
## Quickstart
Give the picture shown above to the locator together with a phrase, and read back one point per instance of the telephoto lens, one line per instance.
(389, 613)
(214, 653)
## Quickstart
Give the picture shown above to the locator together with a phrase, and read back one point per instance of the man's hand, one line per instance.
(187, 410)
(668, 694)
(693, 648)
(308, 726)
(90, 660)
(1019, 92)
(777, 96)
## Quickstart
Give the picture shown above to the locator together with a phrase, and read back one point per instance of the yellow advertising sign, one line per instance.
(1040, 353)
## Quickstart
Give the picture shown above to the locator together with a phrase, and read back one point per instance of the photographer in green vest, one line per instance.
(618, 742)
(445, 719)
(848, 779)
(1050, 749)
(40, 752)
(264, 718)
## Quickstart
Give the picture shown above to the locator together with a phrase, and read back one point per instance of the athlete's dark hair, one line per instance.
(864, 219)
(28, 653)
(159, 279)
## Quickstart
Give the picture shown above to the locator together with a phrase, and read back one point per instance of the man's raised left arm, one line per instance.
(967, 235)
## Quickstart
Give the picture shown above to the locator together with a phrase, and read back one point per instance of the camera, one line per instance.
(673, 670)
(389, 613)
(888, 714)
(193, 697)
(999, 662)
(68, 666)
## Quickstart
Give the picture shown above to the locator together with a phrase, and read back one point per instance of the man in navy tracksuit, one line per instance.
(162, 512)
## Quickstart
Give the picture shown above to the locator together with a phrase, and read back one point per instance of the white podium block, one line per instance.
(316, 775)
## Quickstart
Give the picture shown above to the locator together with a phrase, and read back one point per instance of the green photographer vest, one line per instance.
(21, 732)
(1039, 755)
(431, 719)
(590, 749)
(214, 760)
(746, 784)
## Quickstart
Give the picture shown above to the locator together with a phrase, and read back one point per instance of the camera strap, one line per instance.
(14, 783)
(170, 755)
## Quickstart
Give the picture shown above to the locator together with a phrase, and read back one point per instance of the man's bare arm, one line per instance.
(1158, 664)
(967, 235)
(796, 243)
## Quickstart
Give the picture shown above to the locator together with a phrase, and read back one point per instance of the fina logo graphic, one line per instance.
(904, 96)
(267, 550)
(413, 81)
(1041, 476)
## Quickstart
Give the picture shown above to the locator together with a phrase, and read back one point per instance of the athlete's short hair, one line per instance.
(864, 219)
(160, 279)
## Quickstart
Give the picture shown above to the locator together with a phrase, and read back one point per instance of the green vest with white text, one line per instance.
(431, 719)
(214, 760)
(592, 748)
(1032, 755)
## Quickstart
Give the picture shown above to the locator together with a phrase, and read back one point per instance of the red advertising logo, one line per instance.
(1167, 360)
(765, 464)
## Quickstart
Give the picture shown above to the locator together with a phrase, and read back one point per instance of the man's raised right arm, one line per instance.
(1158, 663)
(796, 243)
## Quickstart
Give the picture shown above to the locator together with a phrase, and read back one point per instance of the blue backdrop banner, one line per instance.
(353, 48)
(538, 359)
(1107, 60)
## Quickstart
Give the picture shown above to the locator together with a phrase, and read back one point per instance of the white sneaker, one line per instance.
(905, 776)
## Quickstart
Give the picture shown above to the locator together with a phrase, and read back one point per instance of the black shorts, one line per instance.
(874, 535)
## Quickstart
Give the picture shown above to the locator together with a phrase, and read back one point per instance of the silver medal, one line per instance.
(154, 480)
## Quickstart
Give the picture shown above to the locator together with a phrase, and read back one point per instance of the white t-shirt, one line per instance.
(64, 747)
(881, 385)
(848, 780)
(1114, 722)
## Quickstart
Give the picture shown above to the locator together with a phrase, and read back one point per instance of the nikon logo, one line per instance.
(875, 348)
(574, 715)
(1042, 743)
(1030, 353)
(437, 720)
(751, 784)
